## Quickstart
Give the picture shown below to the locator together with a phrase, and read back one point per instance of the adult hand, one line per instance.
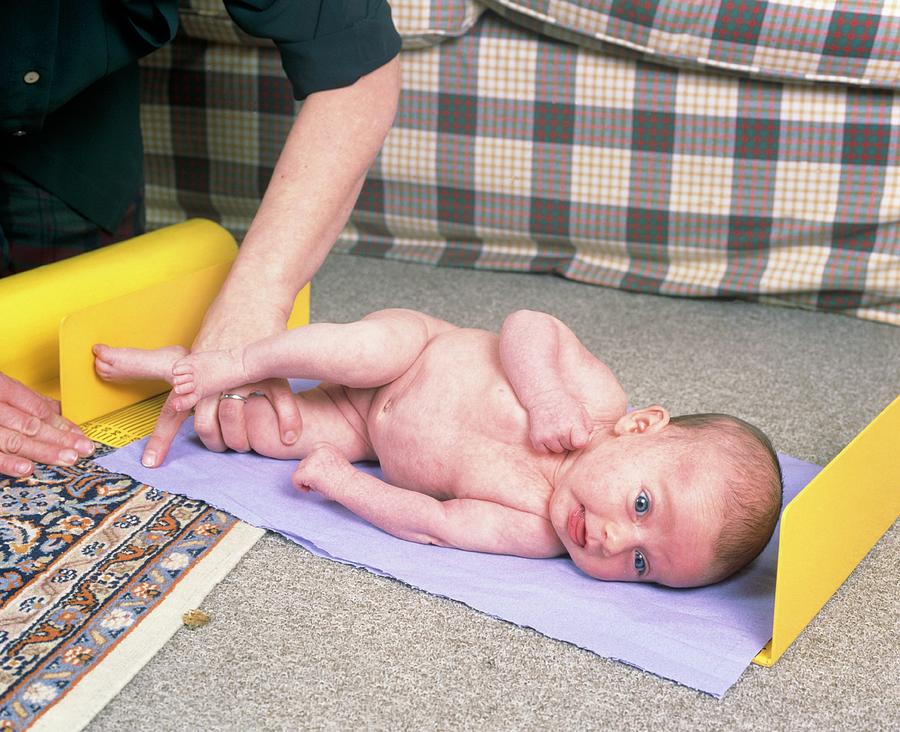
(220, 425)
(32, 430)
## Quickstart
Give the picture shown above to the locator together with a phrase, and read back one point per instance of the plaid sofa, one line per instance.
(739, 149)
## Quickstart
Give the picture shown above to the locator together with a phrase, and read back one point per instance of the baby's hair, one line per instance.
(754, 491)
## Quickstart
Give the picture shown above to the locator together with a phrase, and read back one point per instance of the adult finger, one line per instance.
(39, 440)
(164, 432)
(18, 445)
(231, 424)
(232, 413)
(290, 423)
(58, 422)
(15, 465)
(63, 439)
(19, 421)
(17, 395)
(61, 423)
(206, 424)
(262, 429)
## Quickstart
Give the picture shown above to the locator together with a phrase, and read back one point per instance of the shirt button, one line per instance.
(19, 133)
(31, 77)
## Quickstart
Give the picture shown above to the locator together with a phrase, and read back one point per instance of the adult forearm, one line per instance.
(314, 187)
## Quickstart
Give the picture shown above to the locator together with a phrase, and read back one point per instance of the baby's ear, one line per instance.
(644, 421)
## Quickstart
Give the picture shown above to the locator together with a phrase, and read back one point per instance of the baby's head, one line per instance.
(684, 502)
(752, 492)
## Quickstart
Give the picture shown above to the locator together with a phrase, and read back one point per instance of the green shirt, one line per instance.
(69, 82)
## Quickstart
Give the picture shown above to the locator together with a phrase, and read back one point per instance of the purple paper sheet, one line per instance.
(703, 638)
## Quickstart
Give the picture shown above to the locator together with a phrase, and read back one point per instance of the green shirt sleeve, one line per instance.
(324, 44)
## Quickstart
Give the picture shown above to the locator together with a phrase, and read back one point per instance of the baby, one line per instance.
(518, 443)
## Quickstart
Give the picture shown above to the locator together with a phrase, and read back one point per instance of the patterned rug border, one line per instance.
(132, 650)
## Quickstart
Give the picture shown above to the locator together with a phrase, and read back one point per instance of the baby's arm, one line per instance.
(564, 387)
(462, 523)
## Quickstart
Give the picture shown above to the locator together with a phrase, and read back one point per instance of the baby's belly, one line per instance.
(450, 421)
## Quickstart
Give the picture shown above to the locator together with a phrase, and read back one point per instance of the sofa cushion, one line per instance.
(420, 22)
(843, 41)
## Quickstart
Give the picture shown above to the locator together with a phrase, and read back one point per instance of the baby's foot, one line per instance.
(129, 364)
(203, 374)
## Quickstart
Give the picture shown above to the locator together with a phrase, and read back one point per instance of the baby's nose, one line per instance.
(614, 538)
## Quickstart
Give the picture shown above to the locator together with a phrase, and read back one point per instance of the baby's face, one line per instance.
(641, 508)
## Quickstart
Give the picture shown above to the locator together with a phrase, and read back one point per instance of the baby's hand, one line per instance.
(323, 470)
(558, 423)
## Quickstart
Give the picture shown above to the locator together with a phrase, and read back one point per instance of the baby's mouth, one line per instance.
(576, 526)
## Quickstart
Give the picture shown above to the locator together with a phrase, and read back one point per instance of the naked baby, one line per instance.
(516, 443)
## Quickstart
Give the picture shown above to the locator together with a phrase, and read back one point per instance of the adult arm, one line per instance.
(314, 186)
(462, 523)
(563, 386)
(32, 430)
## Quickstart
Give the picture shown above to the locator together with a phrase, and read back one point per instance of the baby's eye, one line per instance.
(641, 504)
(640, 564)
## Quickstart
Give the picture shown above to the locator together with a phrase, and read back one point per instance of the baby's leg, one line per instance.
(329, 415)
(365, 354)
(127, 364)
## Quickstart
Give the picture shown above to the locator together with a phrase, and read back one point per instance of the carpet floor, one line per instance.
(299, 642)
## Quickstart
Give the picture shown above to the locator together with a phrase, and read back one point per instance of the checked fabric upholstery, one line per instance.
(571, 138)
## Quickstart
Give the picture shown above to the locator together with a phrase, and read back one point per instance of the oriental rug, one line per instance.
(96, 570)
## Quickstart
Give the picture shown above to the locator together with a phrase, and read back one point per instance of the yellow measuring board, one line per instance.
(125, 425)
(34, 302)
(165, 314)
(832, 524)
(146, 292)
